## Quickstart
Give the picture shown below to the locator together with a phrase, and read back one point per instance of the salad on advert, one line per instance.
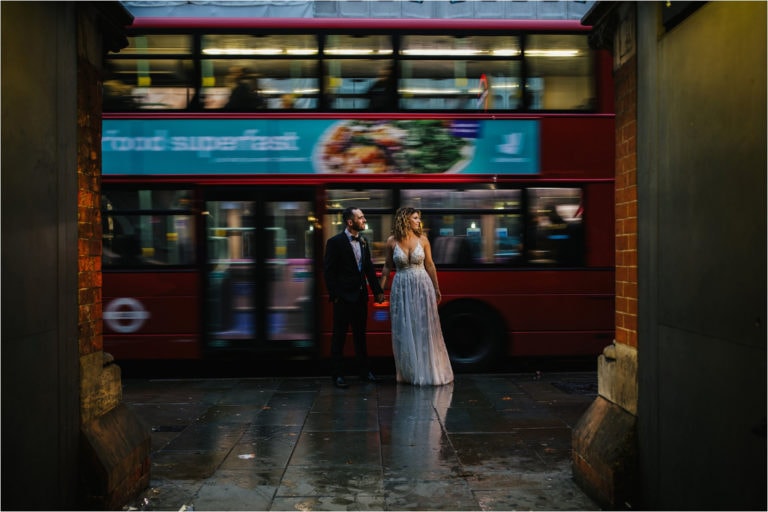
(393, 146)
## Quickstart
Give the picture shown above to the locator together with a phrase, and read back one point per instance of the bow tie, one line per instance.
(354, 238)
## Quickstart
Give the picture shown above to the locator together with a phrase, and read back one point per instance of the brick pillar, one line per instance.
(604, 443)
(100, 389)
(115, 445)
(625, 83)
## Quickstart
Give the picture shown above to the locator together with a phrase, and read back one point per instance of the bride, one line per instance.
(417, 339)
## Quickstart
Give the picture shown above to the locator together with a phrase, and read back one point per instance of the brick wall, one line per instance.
(100, 383)
(88, 209)
(114, 447)
(625, 82)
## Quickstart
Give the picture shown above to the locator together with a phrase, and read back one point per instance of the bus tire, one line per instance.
(474, 335)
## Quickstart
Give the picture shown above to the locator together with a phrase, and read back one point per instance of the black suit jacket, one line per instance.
(342, 278)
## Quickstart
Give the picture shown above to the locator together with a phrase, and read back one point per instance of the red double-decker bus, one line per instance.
(231, 147)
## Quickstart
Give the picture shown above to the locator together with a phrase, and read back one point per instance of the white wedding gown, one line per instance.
(417, 340)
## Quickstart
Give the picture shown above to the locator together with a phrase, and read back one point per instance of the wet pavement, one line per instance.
(485, 442)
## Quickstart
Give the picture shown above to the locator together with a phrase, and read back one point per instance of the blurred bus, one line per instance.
(231, 147)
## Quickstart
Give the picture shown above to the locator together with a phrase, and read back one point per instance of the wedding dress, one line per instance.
(417, 340)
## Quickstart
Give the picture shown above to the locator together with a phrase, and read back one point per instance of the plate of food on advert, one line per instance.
(394, 146)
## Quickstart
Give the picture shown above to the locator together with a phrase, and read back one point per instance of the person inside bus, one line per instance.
(484, 96)
(288, 101)
(348, 271)
(245, 96)
(118, 96)
(421, 357)
(551, 234)
(382, 93)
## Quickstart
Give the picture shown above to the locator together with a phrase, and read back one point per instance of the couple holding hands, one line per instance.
(417, 340)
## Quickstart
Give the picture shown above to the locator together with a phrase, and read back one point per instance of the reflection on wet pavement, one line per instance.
(484, 442)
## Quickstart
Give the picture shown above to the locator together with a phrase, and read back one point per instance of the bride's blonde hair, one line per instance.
(402, 223)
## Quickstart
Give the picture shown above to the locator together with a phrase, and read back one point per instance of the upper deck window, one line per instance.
(560, 72)
(243, 73)
(358, 70)
(351, 45)
(460, 72)
(153, 72)
(381, 72)
(159, 44)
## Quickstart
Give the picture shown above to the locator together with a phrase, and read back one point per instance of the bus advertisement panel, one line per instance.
(291, 146)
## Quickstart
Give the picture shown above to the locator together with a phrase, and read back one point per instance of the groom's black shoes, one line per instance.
(339, 382)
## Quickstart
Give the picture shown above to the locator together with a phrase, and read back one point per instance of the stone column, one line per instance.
(604, 444)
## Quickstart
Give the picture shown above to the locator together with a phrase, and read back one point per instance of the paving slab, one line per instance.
(484, 442)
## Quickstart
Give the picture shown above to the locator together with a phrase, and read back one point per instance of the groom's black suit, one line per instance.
(348, 291)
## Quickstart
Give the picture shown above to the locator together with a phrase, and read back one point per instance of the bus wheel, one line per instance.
(474, 335)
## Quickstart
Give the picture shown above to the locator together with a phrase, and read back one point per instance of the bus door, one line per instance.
(260, 271)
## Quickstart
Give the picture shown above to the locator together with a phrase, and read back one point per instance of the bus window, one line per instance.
(359, 72)
(376, 204)
(560, 74)
(147, 228)
(466, 199)
(464, 239)
(377, 230)
(361, 84)
(475, 226)
(555, 226)
(247, 72)
(289, 261)
(338, 199)
(148, 199)
(155, 72)
(148, 240)
(482, 72)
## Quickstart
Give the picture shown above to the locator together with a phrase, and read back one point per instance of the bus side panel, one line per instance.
(605, 91)
(546, 312)
(549, 282)
(152, 315)
(527, 344)
(552, 301)
(579, 146)
(600, 225)
(554, 312)
(149, 347)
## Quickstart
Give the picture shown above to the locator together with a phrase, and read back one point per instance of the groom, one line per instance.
(347, 267)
